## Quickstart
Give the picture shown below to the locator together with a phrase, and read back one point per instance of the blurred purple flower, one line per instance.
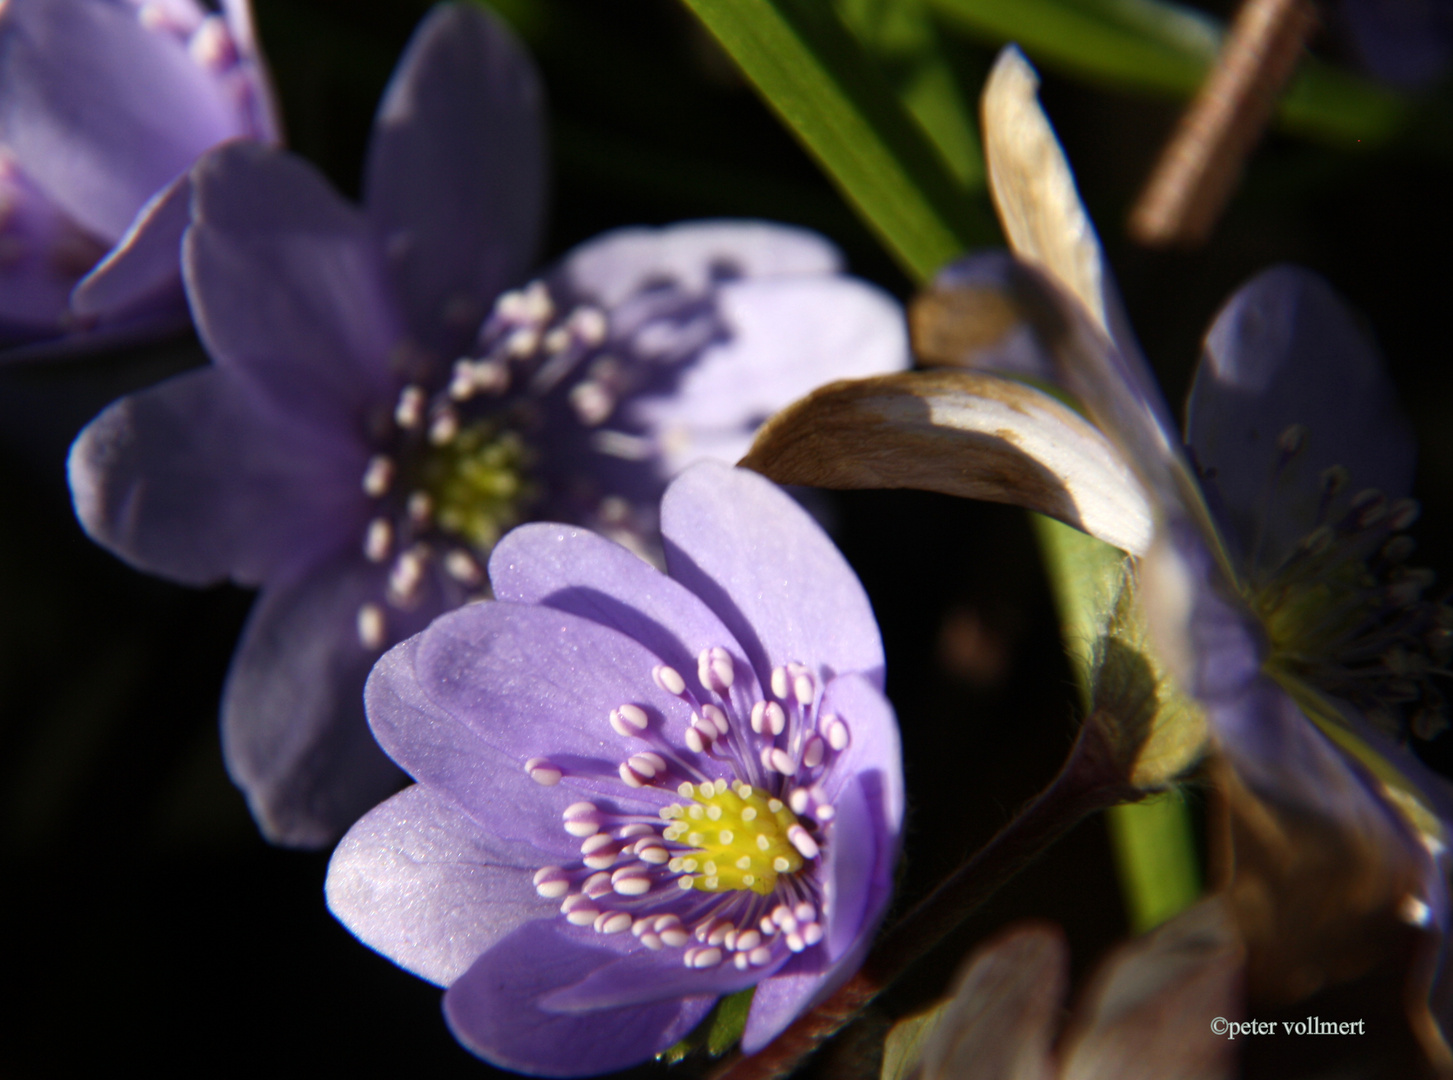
(359, 442)
(636, 792)
(104, 105)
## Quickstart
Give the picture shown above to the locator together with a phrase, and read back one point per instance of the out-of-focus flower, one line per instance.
(1405, 42)
(359, 442)
(636, 792)
(1159, 1006)
(104, 106)
(1274, 579)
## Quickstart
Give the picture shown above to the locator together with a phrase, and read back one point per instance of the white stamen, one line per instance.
(748, 940)
(798, 800)
(598, 852)
(775, 718)
(803, 841)
(592, 402)
(370, 626)
(460, 565)
(654, 854)
(621, 445)
(211, 46)
(781, 761)
(719, 933)
(405, 577)
(837, 733)
(803, 689)
(444, 427)
(782, 916)
(409, 412)
(631, 881)
(668, 679)
(647, 765)
(630, 777)
(652, 942)
(589, 325)
(759, 716)
(675, 935)
(597, 885)
(740, 962)
(805, 912)
(780, 684)
(581, 819)
(378, 540)
(421, 507)
(824, 813)
(760, 956)
(703, 958)
(795, 942)
(812, 933)
(718, 720)
(639, 829)
(551, 882)
(695, 742)
(379, 475)
(582, 916)
(542, 772)
(491, 376)
(814, 752)
(629, 719)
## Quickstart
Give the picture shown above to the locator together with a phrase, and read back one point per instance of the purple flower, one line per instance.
(636, 792)
(104, 105)
(359, 442)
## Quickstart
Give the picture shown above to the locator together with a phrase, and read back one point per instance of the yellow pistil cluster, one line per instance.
(477, 481)
(738, 835)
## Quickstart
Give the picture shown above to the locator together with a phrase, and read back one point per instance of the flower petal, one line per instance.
(456, 172)
(644, 976)
(102, 111)
(147, 262)
(1285, 361)
(422, 882)
(504, 683)
(494, 1008)
(960, 433)
(288, 286)
(692, 256)
(197, 480)
(783, 338)
(293, 733)
(580, 572)
(769, 572)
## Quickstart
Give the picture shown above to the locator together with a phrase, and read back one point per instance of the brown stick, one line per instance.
(1091, 780)
(1201, 165)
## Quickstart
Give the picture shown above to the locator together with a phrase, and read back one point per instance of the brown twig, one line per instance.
(1090, 780)
(1202, 163)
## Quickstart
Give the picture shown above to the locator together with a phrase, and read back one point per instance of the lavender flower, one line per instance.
(635, 792)
(360, 443)
(1274, 572)
(104, 105)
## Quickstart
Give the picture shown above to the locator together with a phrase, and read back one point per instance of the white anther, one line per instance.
(597, 885)
(714, 669)
(695, 742)
(461, 382)
(774, 718)
(719, 933)
(557, 340)
(522, 341)
(759, 716)
(612, 922)
(798, 800)
(812, 933)
(718, 720)
(703, 958)
(783, 918)
(420, 507)
(409, 412)
(551, 882)
(460, 565)
(824, 813)
(631, 882)
(836, 732)
(765, 755)
(379, 476)
(589, 324)
(805, 912)
(668, 679)
(814, 752)
(592, 402)
(781, 682)
(574, 902)
(647, 765)
(632, 716)
(652, 941)
(378, 540)
(795, 942)
(684, 789)
(675, 935)
(405, 576)
(542, 772)
(491, 376)
(803, 841)
(596, 843)
(638, 829)
(654, 854)
(747, 940)
(582, 916)
(581, 820)
(530, 304)
(781, 761)
(803, 689)
(740, 962)
(443, 427)
(630, 777)
(760, 956)
(370, 626)
(767, 926)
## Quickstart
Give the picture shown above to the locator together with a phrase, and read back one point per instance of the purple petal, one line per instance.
(1285, 353)
(253, 85)
(768, 570)
(288, 286)
(580, 572)
(146, 263)
(198, 480)
(692, 256)
(456, 173)
(44, 253)
(777, 1003)
(293, 732)
(783, 339)
(103, 112)
(494, 1009)
(643, 976)
(419, 880)
(493, 685)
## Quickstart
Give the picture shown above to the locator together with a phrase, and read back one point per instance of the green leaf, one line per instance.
(729, 1021)
(904, 1046)
(1165, 49)
(818, 78)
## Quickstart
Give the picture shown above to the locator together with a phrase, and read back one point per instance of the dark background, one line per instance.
(147, 925)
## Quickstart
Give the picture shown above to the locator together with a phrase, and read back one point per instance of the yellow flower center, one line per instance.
(738, 835)
(477, 483)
